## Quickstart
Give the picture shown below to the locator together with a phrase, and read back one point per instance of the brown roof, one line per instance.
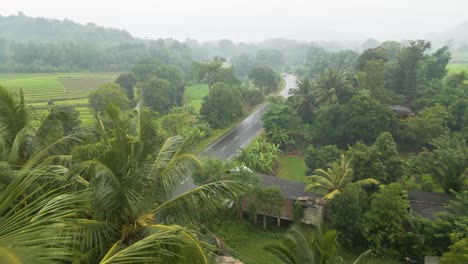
(289, 189)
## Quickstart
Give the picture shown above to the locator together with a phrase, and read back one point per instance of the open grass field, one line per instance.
(62, 88)
(457, 67)
(291, 167)
(194, 94)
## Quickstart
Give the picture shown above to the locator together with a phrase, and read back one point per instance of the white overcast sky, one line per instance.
(255, 20)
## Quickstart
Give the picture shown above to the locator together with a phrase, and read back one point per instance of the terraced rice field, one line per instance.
(61, 88)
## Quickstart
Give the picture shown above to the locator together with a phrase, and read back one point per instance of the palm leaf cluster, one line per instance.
(327, 89)
(112, 201)
(310, 245)
(333, 180)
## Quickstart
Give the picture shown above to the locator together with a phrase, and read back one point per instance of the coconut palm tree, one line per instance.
(305, 245)
(303, 99)
(331, 85)
(134, 211)
(36, 217)
(334, 179)
(24, 144)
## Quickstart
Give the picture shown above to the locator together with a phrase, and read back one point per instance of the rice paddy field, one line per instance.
(73, 89)
(61, 88)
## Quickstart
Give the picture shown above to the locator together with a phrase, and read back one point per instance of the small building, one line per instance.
(428, 204)
(431, 260)
(312, 204)
(401, 111)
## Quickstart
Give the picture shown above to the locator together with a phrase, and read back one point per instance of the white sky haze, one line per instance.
(254, 20)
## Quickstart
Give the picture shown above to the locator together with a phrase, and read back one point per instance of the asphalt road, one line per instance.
(227, 146)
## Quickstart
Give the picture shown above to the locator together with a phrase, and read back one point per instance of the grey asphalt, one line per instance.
(228, 145)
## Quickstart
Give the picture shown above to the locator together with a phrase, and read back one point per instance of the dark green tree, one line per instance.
(222, 105)
(127, 81)
(320, 157)
(213, 71)
(383, 225)
(107, 93)
(265, 78)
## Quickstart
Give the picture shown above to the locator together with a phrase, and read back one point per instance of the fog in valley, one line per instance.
(257, 20)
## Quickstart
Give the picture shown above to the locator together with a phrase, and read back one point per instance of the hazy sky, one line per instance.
(254, 20)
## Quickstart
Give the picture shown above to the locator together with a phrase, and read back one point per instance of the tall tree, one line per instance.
(383, 224)
(127, 81)
(213, 71)
(333, 86)
(222, 105)
(303, 99)
(265, 78)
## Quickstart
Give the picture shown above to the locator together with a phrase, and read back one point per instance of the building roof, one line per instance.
(289, 189)
(401, 110)
(428, 204)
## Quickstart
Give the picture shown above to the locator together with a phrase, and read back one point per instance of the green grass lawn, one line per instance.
(194, 94)
(292, 167)
(247, 243)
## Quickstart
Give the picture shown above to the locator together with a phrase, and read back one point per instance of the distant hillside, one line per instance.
(30, 44)
(21, 28)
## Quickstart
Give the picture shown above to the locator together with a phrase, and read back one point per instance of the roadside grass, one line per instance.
(291, 167)
(247, 243)
(193, 96)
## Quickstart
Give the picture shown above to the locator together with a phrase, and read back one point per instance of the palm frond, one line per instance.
(199, 203)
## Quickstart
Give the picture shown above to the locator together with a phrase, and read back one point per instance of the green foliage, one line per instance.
(265, 78)
(107, 93)
(333, 180)
(383, 225)
(127, 81)
(451, 227)
(386, 150)
(213, 71)
(333, 86)
(309, 245)
(458, 253)
(251, 96)
(261, 156)
(428, 124)
(222, 105)
(159, 86)
(321, 157)
(407, 74)
(282, 125)
(446, 162)
(303, 99)
(346, 211)
(68, 116)
(363, 118)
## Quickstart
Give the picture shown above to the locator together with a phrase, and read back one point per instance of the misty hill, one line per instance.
(47, 45)
(22, 28)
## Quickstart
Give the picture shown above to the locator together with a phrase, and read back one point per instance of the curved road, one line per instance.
(227, 146)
